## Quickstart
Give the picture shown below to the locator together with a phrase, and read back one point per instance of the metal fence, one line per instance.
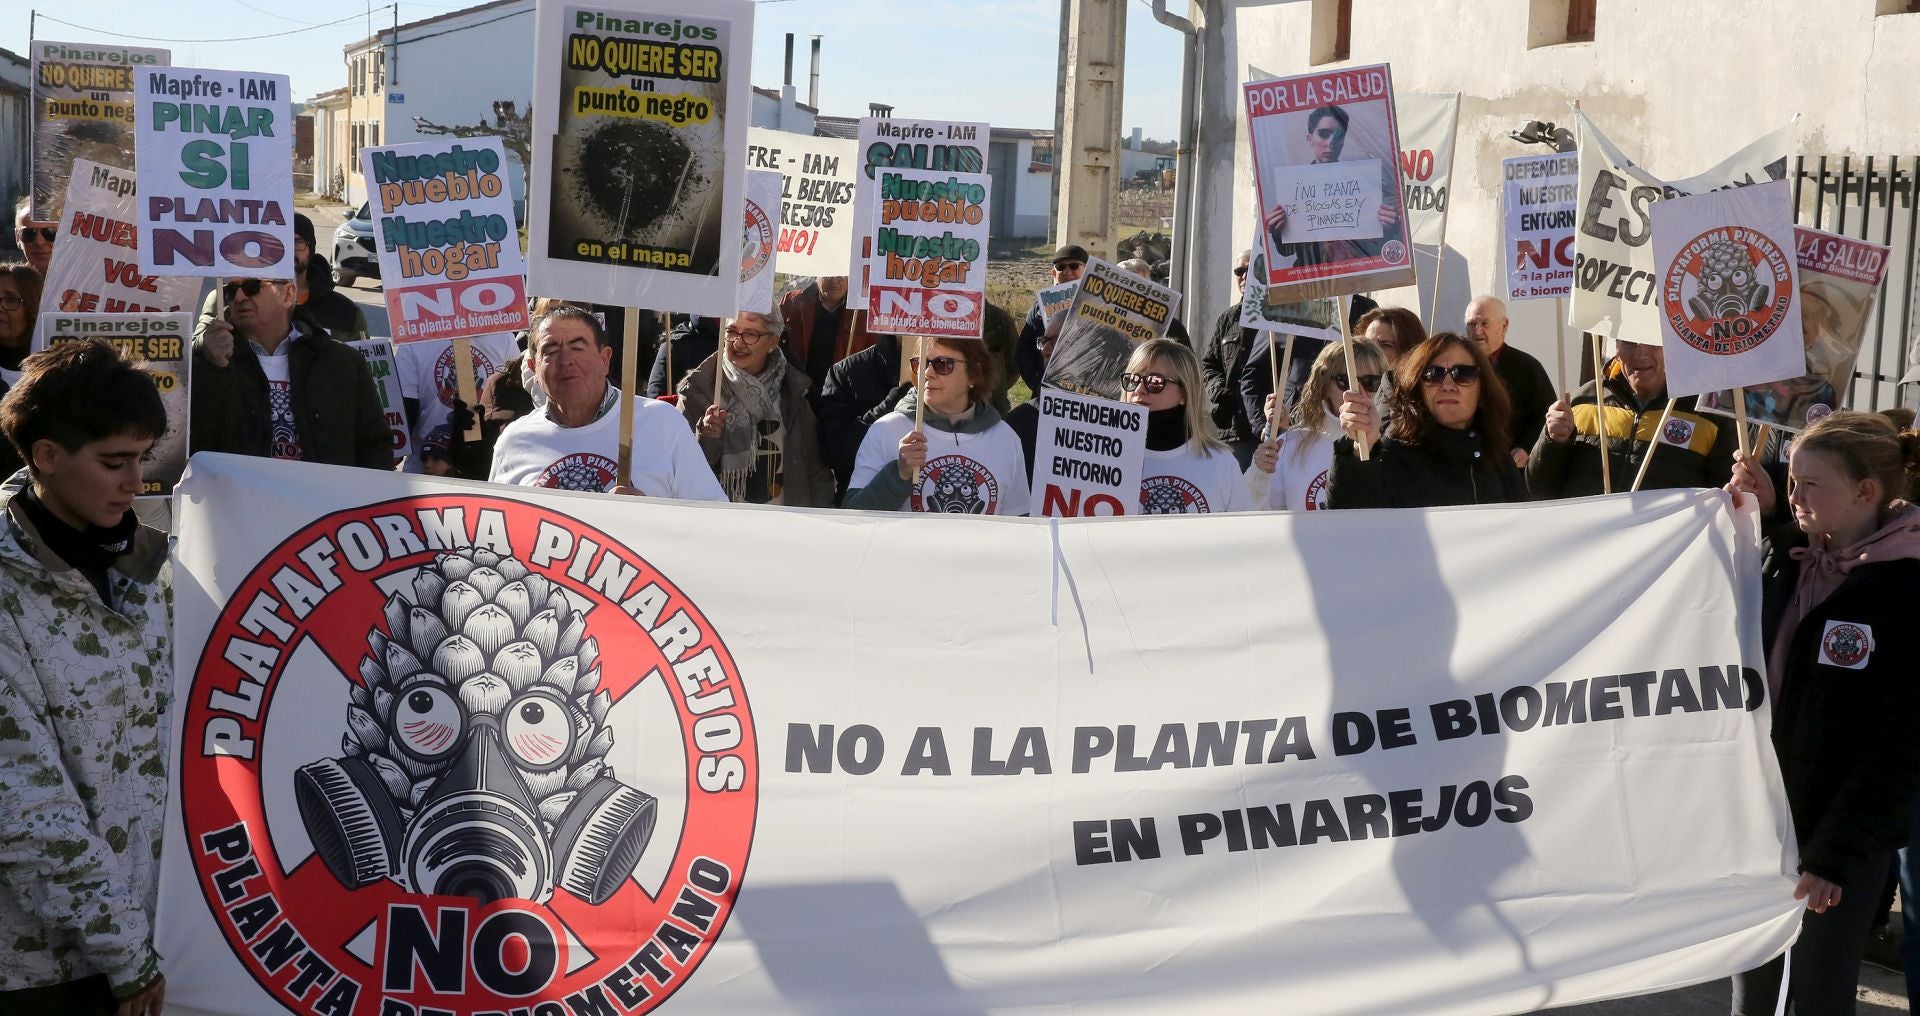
(1875, 198)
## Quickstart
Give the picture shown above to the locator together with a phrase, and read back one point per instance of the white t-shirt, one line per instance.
(286, 434)
(966, 474)
(426, 376)
(1186, 481)
(534, 451)
(1299, 480)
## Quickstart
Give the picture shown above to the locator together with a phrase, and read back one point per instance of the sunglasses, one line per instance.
(1371, 382)
(1069, 266)
(1463, 374)
(1329, 133)
(941, 365)
(47, 233)
(1240, 272)
(251, 287)
(1153, 383)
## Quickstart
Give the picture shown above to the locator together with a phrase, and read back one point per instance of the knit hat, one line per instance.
(303, 229)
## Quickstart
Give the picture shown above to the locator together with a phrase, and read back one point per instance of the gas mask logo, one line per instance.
(1727, 291)
(474, 759)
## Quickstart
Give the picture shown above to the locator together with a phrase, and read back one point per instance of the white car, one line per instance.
(353, 251)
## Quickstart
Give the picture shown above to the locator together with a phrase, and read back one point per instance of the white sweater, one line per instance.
(1299, 480)
(1187, 481)
(967, 474)
(534, 451)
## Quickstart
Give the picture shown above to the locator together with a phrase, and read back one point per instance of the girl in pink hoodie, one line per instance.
(1839, 585)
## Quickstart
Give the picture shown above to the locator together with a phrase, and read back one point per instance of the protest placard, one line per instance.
(758, 238)
(427, 374)
(1428, 122)
(162, 345)
(1089, 456)
(1616, 285)
(1538, 194)
(1163, 794)
(927, 269)
(1729, 288)
(899, 143)
(1056, 299)
(1319, 319)
(386, 377)
(96, 263)
(1320, 120)
(639, 173)
(1839, 279)
(215, 152)
(816, 198)
(449, 247)
(82, 109)
(1113, 311)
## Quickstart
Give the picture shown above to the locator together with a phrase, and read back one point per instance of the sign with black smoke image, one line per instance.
(639, 139)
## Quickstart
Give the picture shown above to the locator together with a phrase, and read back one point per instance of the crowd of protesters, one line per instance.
(800, 405)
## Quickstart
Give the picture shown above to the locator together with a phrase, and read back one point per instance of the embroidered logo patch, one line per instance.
(1846, 644)
(1677, 433)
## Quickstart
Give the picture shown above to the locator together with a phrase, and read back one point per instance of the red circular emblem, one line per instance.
(446, 386)
(463, 753)
(1727, 291)
(956, 485)
(756, 243)
(1846, 644)
(579, 471)
(1317, 493)
(1171, 495)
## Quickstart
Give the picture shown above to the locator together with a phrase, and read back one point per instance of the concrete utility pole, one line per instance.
(1087, 155)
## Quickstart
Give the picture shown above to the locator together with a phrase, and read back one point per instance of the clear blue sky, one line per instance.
(999, 55)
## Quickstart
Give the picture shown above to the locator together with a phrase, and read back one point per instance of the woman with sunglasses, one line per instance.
(966, 462)
(1291, 472)
(763, 444)
(1448, 443)
(1188, 470)
(20, 288)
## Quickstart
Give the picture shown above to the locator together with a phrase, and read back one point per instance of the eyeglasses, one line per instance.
(1153, 383)
(47, 233)
(941, 365)
(251, 287)
(1463, 374)
(1240, 271)
(742, 333)
(12, 301)
(1330, 134)
(1371, 382)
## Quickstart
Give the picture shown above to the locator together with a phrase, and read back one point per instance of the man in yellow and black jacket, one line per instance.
(1695, 448)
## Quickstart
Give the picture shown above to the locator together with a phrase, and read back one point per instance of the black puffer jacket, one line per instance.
(1450, 467)
(336, 407)
(1849, 754)
(859, 390)
(1222, 363)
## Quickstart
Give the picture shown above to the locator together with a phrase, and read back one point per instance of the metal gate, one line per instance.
(1874, 198)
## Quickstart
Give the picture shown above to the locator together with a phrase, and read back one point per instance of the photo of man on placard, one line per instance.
(1324, 136)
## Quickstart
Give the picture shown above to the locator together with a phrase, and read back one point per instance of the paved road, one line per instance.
(1881, 991)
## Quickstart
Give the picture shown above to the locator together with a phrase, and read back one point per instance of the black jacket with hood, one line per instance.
(336, 406)
(1450, 467)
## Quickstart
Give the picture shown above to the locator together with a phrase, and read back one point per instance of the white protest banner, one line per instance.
(82, 102)
(1113, 311)
(1616, 285)
(639, 171)
(758, 238)
(96, 261)
(927, 270)
(1427, 122)
(215, 151)
(1729, 288)
(162, 344)
(1538, 198)
(1839, 280)
(900, 143)
(386, 375)
(1089, 455)
(449, 247)
(1327, 201)
(1319, 119)
(444, 746)
(817, 192)
(1318, 319)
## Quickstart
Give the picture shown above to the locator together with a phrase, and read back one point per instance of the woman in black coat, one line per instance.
(1448, 443)
(1838, 588)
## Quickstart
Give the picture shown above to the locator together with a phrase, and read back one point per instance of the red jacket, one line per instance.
(799, 308)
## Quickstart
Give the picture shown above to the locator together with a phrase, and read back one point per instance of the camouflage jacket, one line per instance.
(83, 733)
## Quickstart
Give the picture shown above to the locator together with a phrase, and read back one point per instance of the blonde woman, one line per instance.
(1292, 472)
(1188, 470)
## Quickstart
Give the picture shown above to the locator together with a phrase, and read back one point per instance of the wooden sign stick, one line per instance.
(719, 370)
(629, 379)
(1273, 368)
(1740, 422)
(1665, 415)
(1600, 411)
(1279, 399)
(920, 393)
(1560, 344)
(463, 379)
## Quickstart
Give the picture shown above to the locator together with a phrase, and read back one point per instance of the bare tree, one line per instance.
(512, 127)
